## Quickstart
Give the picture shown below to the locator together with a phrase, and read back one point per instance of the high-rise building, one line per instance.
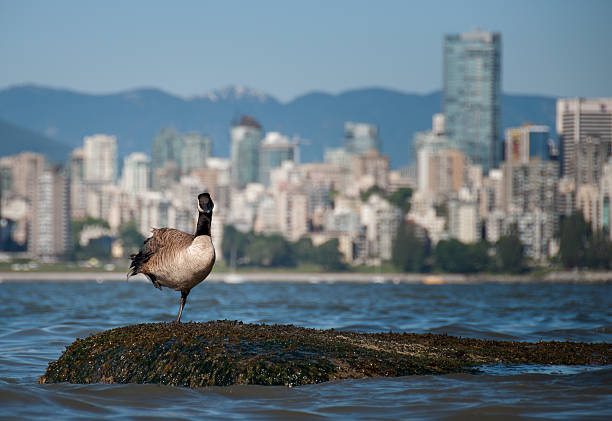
(371, 169)
(440, 169)
(291, 194)
(491, 194)
(274, 150)
(360, 137)
(530, 186)
(49, 235)
(605, 193)
(100, 158)
(245, 139)
(76, 166)
(175, 154)
(429, 145)
(382, 220)
(166, 150)
(216, 179)
(196, 150)
(584, 127)
(326, 177)
(536, 230)
(153, 211)
(527, 142)
(136, 172)
(588, 203)
(266, 216)
(471, 99)
(463, 218)
(26, 167)
(78, 186)
(19, 181)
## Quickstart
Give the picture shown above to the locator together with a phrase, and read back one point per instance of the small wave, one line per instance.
(518, 369)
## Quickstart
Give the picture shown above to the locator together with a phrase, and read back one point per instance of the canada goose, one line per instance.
(174, 259)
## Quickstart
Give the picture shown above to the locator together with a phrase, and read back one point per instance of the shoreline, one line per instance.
(240, 277)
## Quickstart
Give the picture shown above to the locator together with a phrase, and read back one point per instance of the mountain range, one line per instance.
(135, 117)
(15, 139)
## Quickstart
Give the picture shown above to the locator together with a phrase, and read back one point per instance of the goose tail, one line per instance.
(139, 259)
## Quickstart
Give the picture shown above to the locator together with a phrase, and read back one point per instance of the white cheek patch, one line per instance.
(200, 208)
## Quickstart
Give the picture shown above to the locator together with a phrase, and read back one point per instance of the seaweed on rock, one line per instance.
(223, 353)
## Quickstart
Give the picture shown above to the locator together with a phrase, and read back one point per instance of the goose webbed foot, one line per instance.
(182, 305)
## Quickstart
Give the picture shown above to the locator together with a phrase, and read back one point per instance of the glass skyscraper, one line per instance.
(275, 149)
(245, 139)
(178, 154)
(472, 95)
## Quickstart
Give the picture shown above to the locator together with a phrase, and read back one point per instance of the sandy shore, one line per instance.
(86, 276)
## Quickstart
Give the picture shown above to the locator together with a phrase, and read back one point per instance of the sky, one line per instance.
(289, 48)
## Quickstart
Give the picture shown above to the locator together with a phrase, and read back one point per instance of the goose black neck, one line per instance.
(203, 227)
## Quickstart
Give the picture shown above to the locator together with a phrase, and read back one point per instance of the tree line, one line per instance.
(251, 249)
(412, 252)
(579, 247)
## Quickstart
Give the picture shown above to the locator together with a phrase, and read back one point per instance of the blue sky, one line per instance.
(288, 48)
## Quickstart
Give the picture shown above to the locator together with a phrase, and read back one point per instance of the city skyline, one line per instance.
(459, 189)
(294, 49)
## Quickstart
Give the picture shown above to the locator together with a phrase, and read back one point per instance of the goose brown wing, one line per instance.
(162, 244)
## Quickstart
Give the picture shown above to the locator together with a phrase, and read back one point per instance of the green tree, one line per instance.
(598, 254)
(99, 248)
(451, 255)
(235, 244)
(409, 252)
(328, 255)
(372, 190)
(456, 257)
(510, 253)
(77, 226)
(270, 251)
(130, 237)
(304, 251)
(478, 254)
(401, 198)
(96, 249)
(575, 238)
(442, 210)
(333, 193)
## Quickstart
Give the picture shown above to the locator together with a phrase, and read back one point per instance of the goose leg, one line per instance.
(183, 301)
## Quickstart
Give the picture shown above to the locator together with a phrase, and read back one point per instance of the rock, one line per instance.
(226, 352)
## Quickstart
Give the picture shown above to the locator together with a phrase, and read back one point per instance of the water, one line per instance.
(38, 320)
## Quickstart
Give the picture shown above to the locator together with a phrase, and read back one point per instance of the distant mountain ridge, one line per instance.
(235, 93)
(15, 139)
(135, 116)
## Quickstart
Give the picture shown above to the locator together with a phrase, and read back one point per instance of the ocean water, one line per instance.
(39, 319)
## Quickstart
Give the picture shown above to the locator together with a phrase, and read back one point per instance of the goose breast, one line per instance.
(190, 266)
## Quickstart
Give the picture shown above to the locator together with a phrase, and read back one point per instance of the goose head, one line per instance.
(205, 204)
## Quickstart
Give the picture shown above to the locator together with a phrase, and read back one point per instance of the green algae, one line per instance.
(224, 353)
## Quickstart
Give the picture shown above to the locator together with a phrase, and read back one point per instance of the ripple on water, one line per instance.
(40, 319)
